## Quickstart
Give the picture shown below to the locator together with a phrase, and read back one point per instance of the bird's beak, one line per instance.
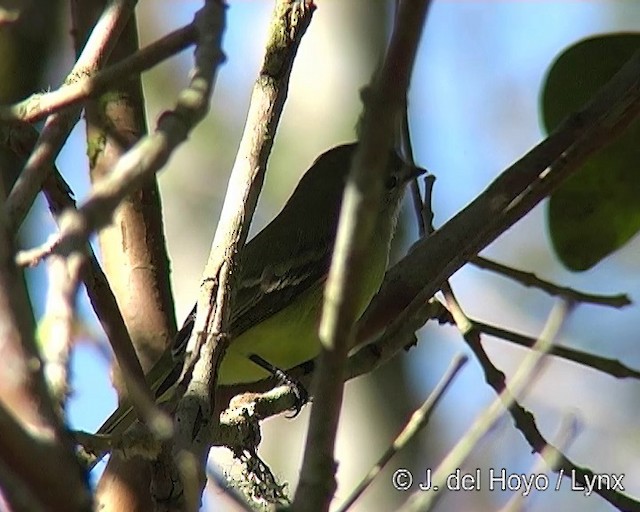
(410, 172)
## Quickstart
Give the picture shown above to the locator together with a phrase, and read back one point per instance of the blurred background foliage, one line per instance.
(474, 109)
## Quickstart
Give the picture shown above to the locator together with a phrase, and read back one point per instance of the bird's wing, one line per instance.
(260, 296)
(267, 283)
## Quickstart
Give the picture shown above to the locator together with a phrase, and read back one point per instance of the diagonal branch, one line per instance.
(58, 126)
(425, 499)
(529, 279)
(526, 424)
(208, 342)
(605, 365)
(511, 196)
(419, 419)
(79, 87)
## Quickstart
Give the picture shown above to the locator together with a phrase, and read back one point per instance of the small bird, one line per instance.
(282, 271)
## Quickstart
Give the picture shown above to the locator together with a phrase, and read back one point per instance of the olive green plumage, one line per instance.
(282, 271)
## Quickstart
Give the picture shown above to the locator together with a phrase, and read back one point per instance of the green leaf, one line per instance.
(597, 210)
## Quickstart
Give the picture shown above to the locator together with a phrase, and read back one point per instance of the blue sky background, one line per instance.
(473, 111)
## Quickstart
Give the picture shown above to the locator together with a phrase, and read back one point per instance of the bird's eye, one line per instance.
(391, 182)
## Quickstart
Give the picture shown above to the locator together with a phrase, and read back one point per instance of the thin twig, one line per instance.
(416, 423)
(605, 365)
(33, 257)
(526, 372)
(548, 459)
(529, 279)
(526, 424)
(424, 216)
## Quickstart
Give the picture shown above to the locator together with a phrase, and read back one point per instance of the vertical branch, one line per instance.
(134, 253)
(34, 447)
(208, 343)
(362, 200)
(59, 321)
(133, 248)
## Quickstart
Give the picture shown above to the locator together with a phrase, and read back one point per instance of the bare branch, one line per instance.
(526, 424)
(416, 423)
(361, 203)
(529, 279)
(602, 364)
(208, 342)
(513, 194)
(58, 126)
(425, 499)
(79, 87)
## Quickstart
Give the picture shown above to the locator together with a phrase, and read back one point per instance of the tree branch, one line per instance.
(425, 499)
(79, 87)
(514, 193)
(208, 341)
(529, 279)
(361, 203)
(58, 126)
